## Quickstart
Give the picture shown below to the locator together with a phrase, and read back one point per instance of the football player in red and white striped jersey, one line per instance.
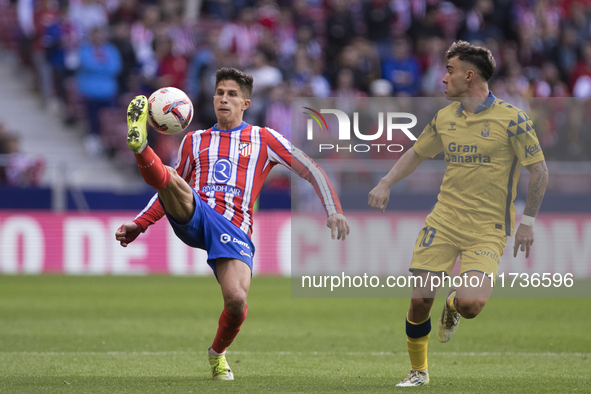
(226, 165)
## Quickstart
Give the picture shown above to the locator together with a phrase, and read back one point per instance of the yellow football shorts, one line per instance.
(439, 244)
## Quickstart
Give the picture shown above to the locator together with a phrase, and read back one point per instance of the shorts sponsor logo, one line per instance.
(222, 170)
(225, 238)
(492, 255)
(532, 149)
(241, 243)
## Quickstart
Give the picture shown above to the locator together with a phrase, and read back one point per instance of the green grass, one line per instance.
(150, 335)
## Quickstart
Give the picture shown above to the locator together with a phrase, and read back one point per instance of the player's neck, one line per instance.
(473, 98)
(229, 125)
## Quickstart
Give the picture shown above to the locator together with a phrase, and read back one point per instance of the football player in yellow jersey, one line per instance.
(485, 142)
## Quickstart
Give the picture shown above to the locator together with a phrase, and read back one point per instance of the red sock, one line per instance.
(228, 328)
(153, 171)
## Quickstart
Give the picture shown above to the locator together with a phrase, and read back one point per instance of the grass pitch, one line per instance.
(150, 335)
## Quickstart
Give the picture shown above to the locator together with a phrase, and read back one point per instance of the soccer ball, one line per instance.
(169, 110)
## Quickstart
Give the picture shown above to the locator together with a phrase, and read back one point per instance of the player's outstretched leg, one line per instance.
(228, 329)
(153, 171)
(450, 319)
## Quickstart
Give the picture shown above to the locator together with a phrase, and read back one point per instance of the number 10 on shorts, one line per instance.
(428, 236)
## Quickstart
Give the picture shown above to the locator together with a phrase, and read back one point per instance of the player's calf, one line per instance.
(153, 171)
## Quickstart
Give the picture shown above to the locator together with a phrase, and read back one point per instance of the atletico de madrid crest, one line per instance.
(484, 131)
(245, 149)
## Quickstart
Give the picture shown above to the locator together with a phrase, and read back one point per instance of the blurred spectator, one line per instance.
(581, 72)
(428, 26)
(172, 69)
(100, 65)
(3, 139)
(122, 40)
(127, 12)
(278, 114)
(142, 36)
(181, 35)
(302, 13)
(305, 39)
(402, 69)
(241, 37)
(26, 30)
(60, 43)
(285, 31)
(21, 169)
(345, 91)
(379, 17)
(268, 14)
(87, 15)
(265, 75)
(565, 53)
(308, 80)
(436, 67)
(44, 16)
(479, 24)
(368, 63)
(549, 83)
(339, 27)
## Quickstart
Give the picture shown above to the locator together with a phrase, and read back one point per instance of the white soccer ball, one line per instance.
(169, 110)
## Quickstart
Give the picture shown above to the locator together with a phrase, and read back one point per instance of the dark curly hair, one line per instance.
(479, 57)
(232, 74)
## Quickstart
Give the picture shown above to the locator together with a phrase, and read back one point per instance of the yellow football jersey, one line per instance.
(484, 152)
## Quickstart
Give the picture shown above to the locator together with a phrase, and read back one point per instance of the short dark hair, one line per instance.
(232, 74)
(479, 57)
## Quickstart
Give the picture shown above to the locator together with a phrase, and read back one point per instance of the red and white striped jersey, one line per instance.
(228, 169)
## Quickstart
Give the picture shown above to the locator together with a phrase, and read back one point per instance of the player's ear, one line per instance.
(469, 75)
(246, 104)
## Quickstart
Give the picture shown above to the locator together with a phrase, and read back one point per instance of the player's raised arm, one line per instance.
(379, 196)
(538, 180)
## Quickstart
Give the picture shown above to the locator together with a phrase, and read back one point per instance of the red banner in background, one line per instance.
(84, 243)
(41, 242)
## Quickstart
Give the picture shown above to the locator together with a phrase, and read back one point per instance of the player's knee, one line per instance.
(469, 308)
(235, 303)
(420, 307)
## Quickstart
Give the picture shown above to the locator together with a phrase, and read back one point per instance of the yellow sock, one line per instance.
(417, 342)
(451, 302)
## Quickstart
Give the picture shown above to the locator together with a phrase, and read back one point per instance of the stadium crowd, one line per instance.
(92, 56)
